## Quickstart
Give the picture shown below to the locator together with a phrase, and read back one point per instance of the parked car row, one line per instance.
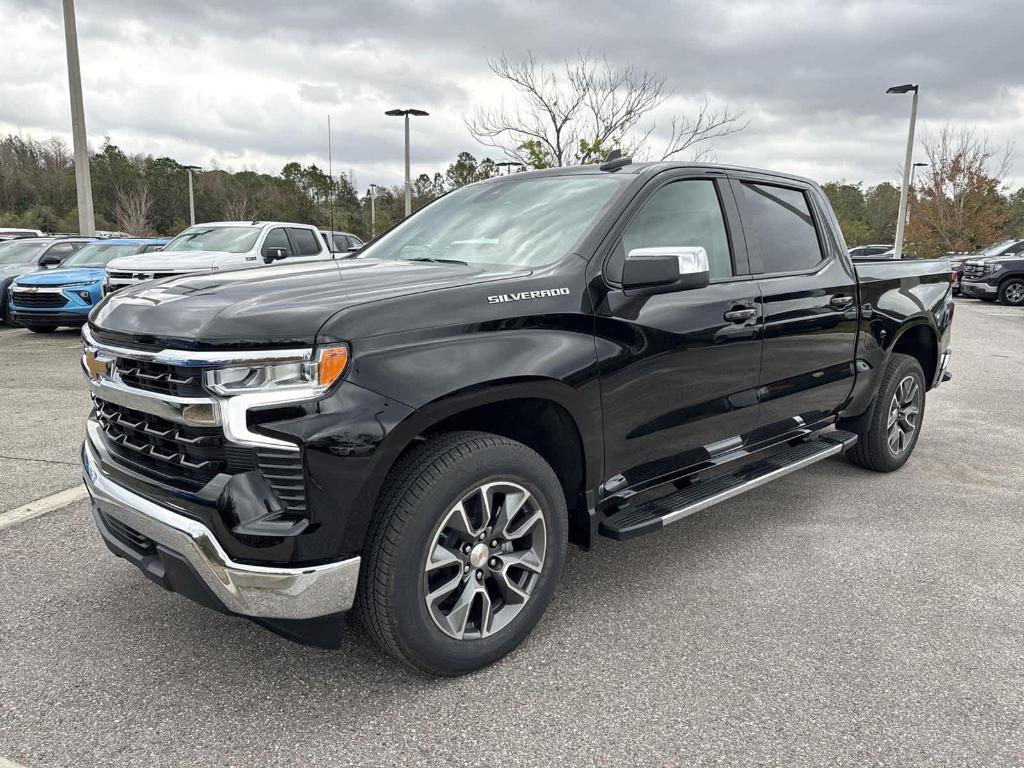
(49, 281)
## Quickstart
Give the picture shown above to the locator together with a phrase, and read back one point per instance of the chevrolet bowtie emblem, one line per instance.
(95, 366)
(31, 289)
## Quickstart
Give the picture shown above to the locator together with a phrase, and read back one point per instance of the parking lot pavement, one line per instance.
(45, 401)
(834, 617)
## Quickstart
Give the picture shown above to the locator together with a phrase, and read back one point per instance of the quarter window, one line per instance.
(681, 214)
(779, 228)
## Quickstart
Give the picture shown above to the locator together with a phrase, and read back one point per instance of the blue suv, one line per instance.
(42, 301)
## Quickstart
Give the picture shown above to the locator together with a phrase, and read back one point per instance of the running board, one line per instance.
(651, 516)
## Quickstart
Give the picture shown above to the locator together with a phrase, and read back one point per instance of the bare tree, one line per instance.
(958, 206)
(579, 114)
(236, 205)
(131, 210)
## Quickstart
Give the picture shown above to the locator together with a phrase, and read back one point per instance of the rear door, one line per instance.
(808, 295)
(679, 371)
(306, 245)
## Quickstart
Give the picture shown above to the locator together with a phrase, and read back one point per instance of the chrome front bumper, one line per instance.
(248, 590)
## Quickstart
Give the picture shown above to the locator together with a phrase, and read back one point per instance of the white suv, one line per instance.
(220, 246)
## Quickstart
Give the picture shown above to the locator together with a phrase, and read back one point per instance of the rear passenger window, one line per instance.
(779, 228)
(304, 242)
(681, 214)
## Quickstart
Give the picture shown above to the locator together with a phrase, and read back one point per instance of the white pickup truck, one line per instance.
(220, 246)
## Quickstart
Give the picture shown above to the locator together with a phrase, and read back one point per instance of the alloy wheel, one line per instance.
(484, 561)
(1014, 293)
(903, 414)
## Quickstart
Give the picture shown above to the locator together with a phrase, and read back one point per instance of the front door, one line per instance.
(679, 371)
(809, 294)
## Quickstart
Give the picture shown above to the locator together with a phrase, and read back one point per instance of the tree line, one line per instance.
(145, 195)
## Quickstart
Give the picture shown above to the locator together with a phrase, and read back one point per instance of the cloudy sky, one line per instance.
(249, 83)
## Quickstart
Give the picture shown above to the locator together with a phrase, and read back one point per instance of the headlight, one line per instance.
(990, 268)
(308, 377)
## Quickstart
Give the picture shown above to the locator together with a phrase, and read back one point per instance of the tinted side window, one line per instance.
(340, 243)
(277, 238)
(304, 242)
(779, 228)
(683, 213)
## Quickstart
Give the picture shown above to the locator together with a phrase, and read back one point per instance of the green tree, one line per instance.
(882, 207)
(847, 201)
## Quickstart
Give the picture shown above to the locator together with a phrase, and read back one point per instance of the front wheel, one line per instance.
(894, 423)
(464, 552)
(1011, 292)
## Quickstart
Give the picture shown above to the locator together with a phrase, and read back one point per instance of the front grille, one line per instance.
(175, 380)
(974, 271)
(129, 535)
(189, 457)
(119, 275)
(171, 453)
(47, 299)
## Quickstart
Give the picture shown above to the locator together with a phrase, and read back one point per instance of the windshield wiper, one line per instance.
(436, 261)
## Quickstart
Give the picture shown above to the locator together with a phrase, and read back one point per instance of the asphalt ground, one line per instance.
(835, 617)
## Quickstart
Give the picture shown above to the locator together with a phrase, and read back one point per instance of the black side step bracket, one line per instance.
(657, 513)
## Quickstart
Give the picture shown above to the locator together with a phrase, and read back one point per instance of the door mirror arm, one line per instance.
(650, 271)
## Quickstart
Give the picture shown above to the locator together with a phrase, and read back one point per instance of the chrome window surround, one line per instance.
(230, 412)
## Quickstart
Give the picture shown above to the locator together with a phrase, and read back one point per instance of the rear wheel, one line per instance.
(464, 552)
(894, 424)
(36, 328)
(1012, 292)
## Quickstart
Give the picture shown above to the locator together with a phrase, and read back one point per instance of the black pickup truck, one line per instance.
(529, 361)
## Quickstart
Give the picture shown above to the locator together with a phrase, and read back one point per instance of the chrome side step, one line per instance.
(656, 514)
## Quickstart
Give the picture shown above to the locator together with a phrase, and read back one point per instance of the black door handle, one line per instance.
(740, 315)
(841, 302)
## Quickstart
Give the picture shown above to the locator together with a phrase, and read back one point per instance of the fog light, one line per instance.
(85, 296)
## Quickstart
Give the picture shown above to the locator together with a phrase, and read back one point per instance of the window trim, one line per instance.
(756, 265)
(737, 246)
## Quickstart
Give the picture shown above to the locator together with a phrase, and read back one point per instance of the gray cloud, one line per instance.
(251, 83)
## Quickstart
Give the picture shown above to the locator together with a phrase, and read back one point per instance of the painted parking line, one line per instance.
(41, 507)
(8, 764)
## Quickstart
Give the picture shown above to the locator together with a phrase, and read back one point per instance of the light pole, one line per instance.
(408, 184)
(901, 219)
(509, 165)
(83, 184)
(191, 195)
(373, 211)
(913, 171)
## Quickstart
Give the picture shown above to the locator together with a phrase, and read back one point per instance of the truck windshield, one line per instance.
(226, 239)
(13, 252)
(98, 254)
(520, 222)
(995, 250)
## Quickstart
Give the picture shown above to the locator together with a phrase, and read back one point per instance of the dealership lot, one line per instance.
(835, 616)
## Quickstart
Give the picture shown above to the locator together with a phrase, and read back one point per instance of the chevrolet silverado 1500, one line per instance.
(529, 361)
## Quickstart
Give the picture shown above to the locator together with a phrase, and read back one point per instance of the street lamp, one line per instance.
(83, 184)
(191, 195)
(373, 211)
(509, 164)
(901, 219)
(408, 184)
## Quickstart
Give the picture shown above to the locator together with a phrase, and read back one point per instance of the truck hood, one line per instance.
(269, 306)
(68, 276)
(165, 261)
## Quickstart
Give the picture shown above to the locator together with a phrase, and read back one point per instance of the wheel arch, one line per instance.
(920, 341)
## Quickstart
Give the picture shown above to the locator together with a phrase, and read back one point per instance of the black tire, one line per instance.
(1011, 292)
(419, 495)
(873, 450)
(36, 328)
